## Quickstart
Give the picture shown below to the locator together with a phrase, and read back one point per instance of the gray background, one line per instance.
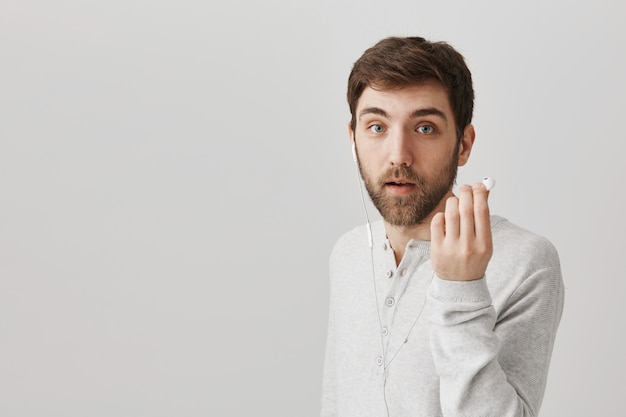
(173, 176)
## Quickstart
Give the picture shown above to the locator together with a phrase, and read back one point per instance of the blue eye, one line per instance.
(426, 129)
(377, 128)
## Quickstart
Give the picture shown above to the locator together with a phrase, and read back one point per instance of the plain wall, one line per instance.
(173, 175)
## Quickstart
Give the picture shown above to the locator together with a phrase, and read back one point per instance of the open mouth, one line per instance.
(400, 187)
(399, 182)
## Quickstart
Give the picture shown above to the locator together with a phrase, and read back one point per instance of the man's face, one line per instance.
(408, 150)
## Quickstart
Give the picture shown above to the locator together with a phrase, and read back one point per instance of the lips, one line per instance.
(400, 186)
(399, 182)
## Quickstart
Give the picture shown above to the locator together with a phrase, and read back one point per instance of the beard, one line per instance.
(412, 209)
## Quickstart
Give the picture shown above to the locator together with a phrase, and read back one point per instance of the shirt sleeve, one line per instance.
(329, 392)
(329, 382)
(494, 364)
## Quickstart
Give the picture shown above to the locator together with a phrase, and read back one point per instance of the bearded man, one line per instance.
(440, 309)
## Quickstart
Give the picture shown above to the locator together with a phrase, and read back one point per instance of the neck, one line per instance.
(400, 236)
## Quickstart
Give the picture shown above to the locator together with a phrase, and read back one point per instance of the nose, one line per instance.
(400, 148)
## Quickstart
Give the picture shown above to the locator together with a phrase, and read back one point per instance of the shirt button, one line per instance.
(379, 361)
(389, 273)
(390, 302)
(403, 272)
(384, 331)
(384, 246)
(413, 245)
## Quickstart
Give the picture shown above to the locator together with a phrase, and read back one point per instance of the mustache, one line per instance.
(401, 173)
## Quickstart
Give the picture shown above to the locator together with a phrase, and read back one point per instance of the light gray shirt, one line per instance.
(422, 346)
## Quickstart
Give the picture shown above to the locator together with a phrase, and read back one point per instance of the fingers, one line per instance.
(466, 212)
(452, 218)
(465, 216)
(481, 212)
(437, 229)
(459, 214)
(461, 243)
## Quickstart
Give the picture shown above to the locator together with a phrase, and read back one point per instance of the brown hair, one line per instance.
(401, 62)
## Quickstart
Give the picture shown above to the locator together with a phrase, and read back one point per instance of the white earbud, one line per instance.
(354, 152)
(489, 183)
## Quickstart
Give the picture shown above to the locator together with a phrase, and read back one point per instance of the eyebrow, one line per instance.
(429, 111)
(373, 110)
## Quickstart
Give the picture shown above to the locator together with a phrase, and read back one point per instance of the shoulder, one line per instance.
(514, 242)
(350, 243)
(351, 254)
(524, 265)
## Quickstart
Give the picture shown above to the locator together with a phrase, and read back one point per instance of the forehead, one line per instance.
(399, 102)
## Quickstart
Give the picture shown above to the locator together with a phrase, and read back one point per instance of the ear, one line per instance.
(350, 133)
(353, 143)
(465, 147)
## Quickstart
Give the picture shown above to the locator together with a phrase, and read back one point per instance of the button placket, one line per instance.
(390, 297)
(397, 287)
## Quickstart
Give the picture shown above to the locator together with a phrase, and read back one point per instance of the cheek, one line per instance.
(369, 162)
(369, 172)
(431, 160)
(435, 161)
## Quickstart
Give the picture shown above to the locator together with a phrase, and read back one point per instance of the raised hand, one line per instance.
(461, 243)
